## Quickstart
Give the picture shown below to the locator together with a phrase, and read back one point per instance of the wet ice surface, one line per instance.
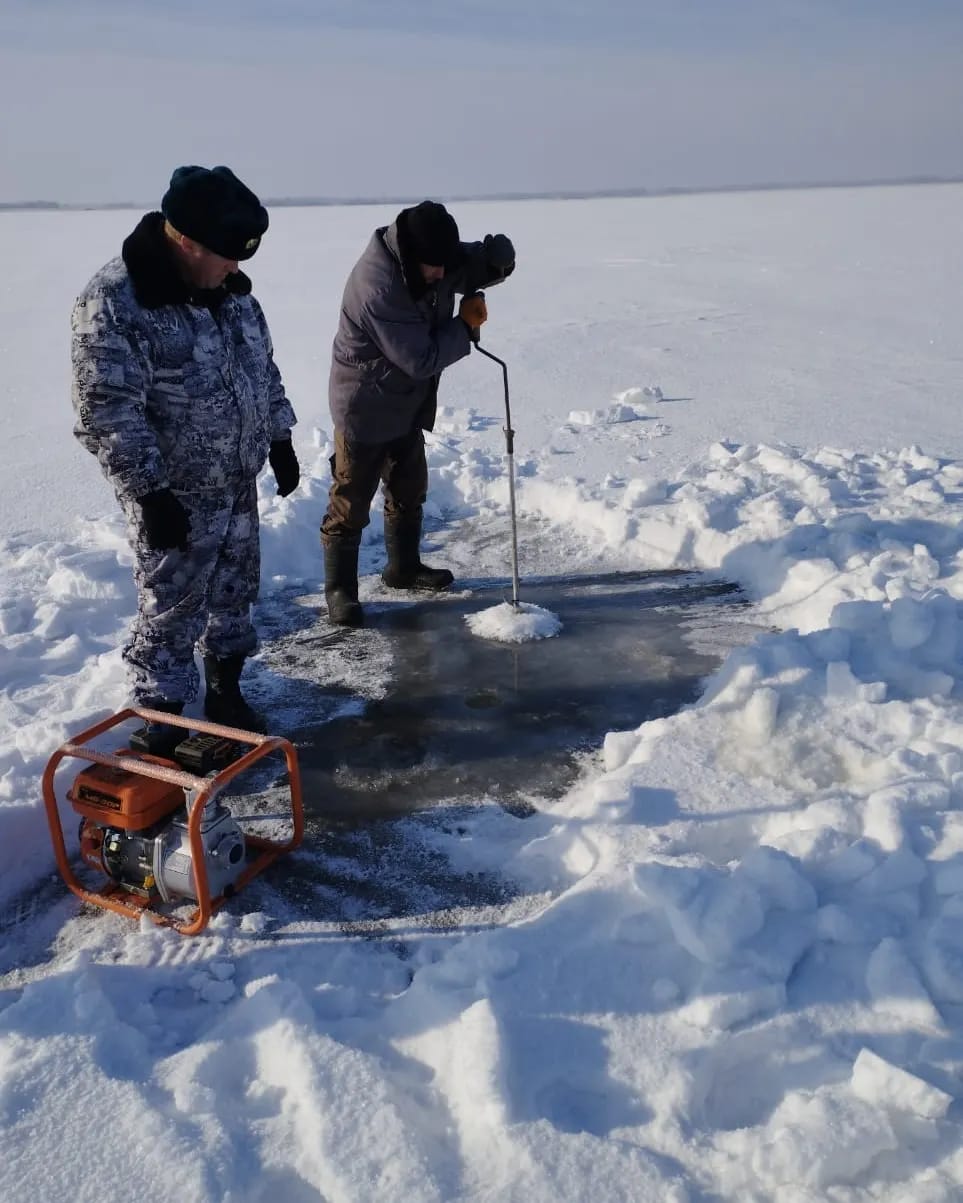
(465, 719)
(428, 746)
(425, 738)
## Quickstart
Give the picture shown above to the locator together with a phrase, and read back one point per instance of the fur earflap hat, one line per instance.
(212, 206)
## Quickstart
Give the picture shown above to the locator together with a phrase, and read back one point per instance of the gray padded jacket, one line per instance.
(390, 349)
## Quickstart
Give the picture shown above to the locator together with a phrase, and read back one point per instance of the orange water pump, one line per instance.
(156, 826)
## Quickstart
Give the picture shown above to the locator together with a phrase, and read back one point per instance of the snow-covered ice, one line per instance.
(728, 963)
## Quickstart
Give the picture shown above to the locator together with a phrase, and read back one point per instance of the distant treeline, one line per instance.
(566, 194)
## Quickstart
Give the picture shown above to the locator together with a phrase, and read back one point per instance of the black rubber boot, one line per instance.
(404, 569)
(157, 738)
(341, 580)
(224, 702)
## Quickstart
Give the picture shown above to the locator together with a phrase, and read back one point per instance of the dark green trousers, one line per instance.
(357, 468)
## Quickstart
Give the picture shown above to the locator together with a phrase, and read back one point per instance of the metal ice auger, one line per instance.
(475, 332)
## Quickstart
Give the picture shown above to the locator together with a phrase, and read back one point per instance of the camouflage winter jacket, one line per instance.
(391, 345)
(172, 388)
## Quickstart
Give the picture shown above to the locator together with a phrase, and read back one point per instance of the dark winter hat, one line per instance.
(433, 235)
(213, 207)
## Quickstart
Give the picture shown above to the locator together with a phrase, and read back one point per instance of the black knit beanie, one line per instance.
(432, 235)
(213, 207)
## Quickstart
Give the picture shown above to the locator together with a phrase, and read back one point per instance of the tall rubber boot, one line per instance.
(224, 702)
(157, 738)
(404, 569)
(341, 580)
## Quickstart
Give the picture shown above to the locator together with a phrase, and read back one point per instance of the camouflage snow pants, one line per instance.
(199, 598)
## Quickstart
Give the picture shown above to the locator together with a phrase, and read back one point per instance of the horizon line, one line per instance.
(554, 194)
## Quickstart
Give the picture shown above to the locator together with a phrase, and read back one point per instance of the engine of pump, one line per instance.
(135, 828)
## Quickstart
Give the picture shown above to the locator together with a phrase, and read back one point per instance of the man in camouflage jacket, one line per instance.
(176, 392)
(398, 331)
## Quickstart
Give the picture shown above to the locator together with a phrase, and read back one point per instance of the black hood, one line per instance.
(410, 262)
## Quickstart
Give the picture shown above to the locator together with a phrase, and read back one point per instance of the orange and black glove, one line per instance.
(473, 311)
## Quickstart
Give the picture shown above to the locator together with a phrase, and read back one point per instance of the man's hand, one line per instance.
(473, 311)
(284, 465)
(166, 523)
(499, 254)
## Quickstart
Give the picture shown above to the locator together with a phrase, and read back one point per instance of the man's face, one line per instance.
(206, 270)
(430, 274)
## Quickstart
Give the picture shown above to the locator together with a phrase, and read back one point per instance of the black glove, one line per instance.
(499, 254)
(284, 465)
(166, 522)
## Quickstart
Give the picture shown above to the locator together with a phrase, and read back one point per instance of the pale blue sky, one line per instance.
(457, 97)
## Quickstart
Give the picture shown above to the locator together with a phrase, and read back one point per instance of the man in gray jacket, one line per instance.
(398, 331)
(176, 392)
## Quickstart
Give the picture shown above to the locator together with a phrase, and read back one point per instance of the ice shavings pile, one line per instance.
(507, 623)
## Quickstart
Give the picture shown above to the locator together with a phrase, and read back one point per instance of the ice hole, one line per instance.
(467, 719)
